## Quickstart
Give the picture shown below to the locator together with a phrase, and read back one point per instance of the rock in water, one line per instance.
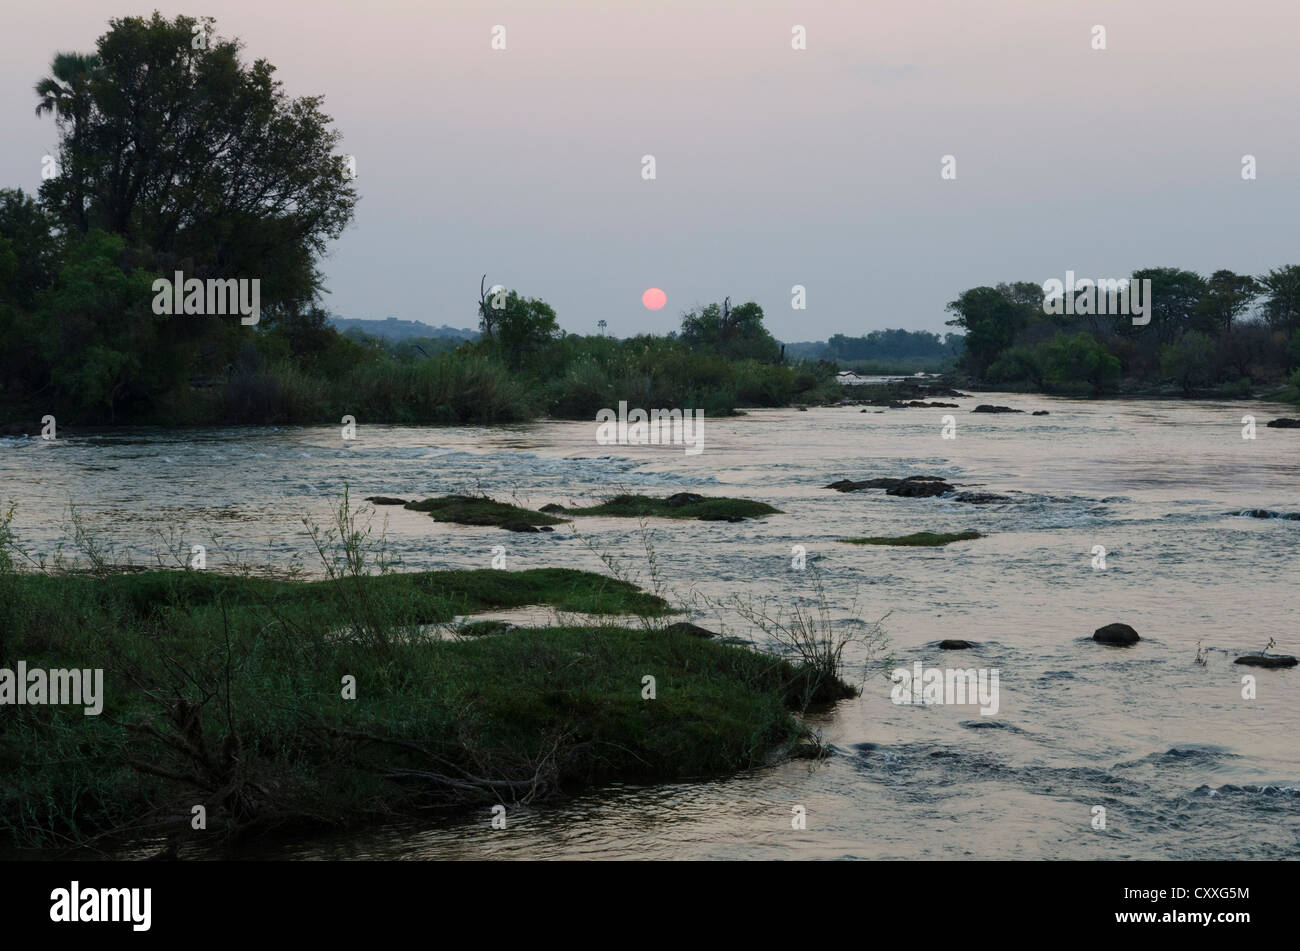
(989, 408)
(684, 627)
(980, 498)
(923, 487)
(1256, 660)
(519, 527)
(1115, 634)
(385, 500)
(955, 645)
(1284, 423)
(1040, 412)
(683, 498)
(848, 485)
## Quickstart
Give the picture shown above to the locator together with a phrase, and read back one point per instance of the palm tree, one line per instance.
(66, 96)
(601, 325)
(65, 93)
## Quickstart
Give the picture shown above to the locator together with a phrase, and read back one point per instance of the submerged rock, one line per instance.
(920, 487)
(848, 485)
(955, 645)
(685, 627)
(719, 518)
(683, 498)
(1116, 634)
(980, 498)
(989, 408)
(1284, 422)
(519, 527)
(385, 500)
(1256, 660)
(1040, 412)
(920, 404)
(1268, 513)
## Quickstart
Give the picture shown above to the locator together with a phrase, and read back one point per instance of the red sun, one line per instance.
(654, 299)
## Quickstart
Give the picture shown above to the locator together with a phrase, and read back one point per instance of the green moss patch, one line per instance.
(681, 505)
(473, 510)
(916, 539)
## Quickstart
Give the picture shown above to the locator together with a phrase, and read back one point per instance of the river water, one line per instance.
(1182, 764)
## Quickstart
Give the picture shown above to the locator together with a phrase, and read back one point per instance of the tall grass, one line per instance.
(225, 691)
(449, 388)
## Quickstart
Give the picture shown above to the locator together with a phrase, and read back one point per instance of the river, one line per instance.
(1181, 763)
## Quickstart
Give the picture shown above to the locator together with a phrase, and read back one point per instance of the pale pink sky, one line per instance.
(775, 167)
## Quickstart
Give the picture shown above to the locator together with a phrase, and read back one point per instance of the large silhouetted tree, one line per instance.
(195, 158)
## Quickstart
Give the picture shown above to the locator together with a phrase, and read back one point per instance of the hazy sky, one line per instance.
(775, 166)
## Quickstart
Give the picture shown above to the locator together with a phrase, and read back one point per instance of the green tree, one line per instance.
(990, 319)
(520, 330)
(1281, 290)
(104, 347)
(1226, 299)
(1018, 365)
(735, 333)
(1079, 359)
(1175, 304)
(1189, 360)
(27, 228)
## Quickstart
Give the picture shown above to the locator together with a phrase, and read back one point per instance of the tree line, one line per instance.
(1227, 333)
(174, 154)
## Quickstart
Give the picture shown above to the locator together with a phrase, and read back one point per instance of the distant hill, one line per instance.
(398, 330)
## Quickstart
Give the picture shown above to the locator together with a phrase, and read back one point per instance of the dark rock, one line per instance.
(719, 518)
(989, 725)
(898, 404)
(1115, 634)
(980, 498)
(385, 500)
(988, 408)
(519, 527)
(685, 627)
(545, 528)
(955, 645)
(551, 508)
(683, 498)
(1040, 412)
(1255, 660)
(1269, 513)
(1284, 423)
(848, 485)
(920, 487)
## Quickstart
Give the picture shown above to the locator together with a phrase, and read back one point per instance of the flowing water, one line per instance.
(1183, 765)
